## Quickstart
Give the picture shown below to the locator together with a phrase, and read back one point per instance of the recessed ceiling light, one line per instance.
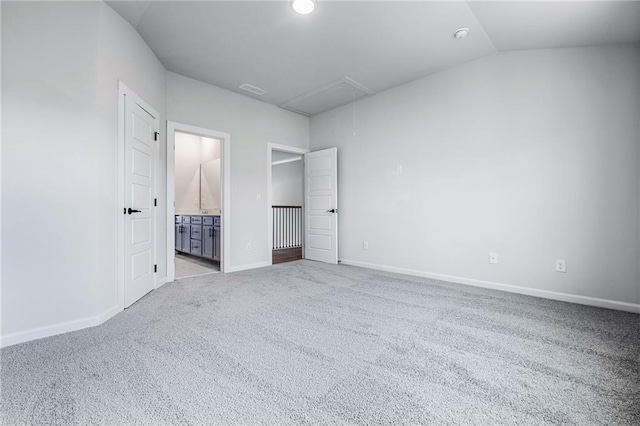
(461, 32)
(303, 7)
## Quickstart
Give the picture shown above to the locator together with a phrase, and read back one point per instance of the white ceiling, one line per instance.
(377, 44)
(519, 25)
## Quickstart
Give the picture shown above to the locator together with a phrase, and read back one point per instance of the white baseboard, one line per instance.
(249, 266)
(55, 329)
(65, 327)
(161, 282)
(546, 294)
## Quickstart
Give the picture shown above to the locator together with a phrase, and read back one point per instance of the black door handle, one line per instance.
(130, 210)
(332, 211)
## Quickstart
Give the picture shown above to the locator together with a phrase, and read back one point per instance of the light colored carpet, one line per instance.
(191, 266)
(309, 343)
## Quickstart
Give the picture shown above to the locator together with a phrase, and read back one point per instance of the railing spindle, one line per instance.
(287, 221)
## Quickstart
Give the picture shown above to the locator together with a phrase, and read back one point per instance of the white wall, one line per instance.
(287, 185)
(252, 125)
(532, 154)
(61, 64)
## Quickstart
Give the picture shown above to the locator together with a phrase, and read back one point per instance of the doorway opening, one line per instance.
(286, 203)
(198, 200)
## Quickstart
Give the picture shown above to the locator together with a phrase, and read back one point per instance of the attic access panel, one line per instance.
(335, 94)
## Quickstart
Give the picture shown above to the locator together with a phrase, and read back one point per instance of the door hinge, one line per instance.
(155, 268)
(155, 136)
(155, 202)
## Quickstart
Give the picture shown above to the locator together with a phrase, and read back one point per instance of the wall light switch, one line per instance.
(258, 197)
(399, 169)
(493, 257)
(561, 266)
(248, 246)
(365, 245)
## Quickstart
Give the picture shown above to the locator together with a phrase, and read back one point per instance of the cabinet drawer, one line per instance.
(196, 220)
(207, 220)
(216, 220)
(196, 247)
(178, 219)
(186, 219)
(196, 232)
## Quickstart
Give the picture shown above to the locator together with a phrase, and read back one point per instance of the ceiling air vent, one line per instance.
(253, 89)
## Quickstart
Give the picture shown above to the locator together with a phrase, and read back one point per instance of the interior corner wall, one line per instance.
(60, 70)
(531, 154)
(252, 125)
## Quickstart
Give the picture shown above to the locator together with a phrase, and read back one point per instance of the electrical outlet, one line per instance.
(248, 246)
(365, 245)
(493, 257)
(561, 266)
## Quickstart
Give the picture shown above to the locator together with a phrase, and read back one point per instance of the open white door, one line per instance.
(140, 129)
(321, 192)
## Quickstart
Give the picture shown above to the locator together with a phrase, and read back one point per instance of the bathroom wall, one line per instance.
(191, 152)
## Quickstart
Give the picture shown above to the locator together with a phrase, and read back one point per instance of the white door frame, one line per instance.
(225, 213)
(292, 150)
(123, 92)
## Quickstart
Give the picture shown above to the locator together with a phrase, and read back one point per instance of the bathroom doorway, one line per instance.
(197, 186)
(198, 201)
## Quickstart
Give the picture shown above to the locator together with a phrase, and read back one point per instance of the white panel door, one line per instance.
(321, 192)
(140, 131)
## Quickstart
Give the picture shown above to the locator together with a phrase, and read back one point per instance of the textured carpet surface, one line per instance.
(190, 266)
(304, 342)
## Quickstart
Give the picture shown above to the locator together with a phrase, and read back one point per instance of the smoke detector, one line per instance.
(253, 89)
(461, 32)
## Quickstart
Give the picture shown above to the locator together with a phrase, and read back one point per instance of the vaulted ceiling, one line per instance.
(350, 49)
